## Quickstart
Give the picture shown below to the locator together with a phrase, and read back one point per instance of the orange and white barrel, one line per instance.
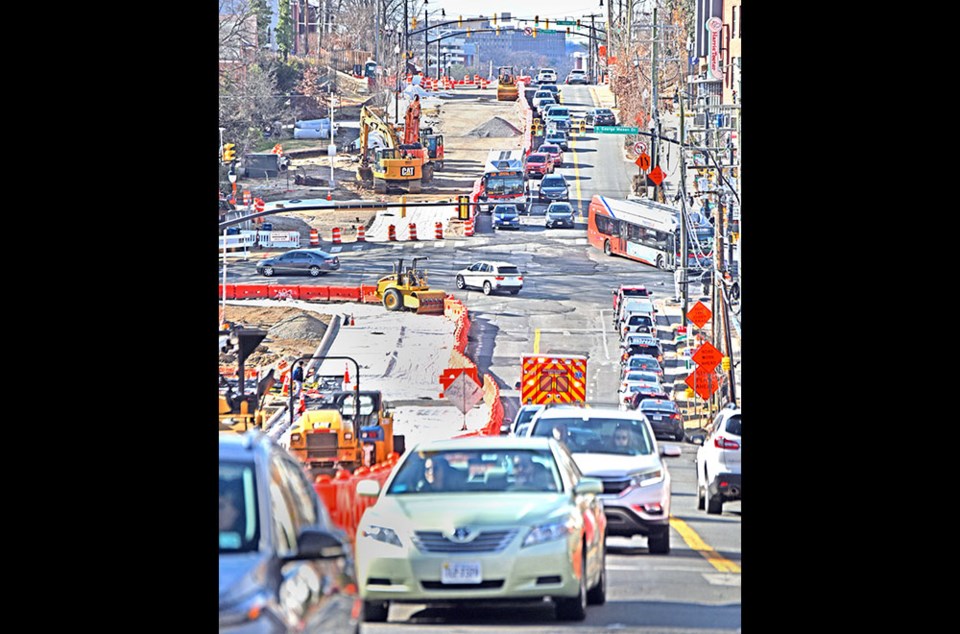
(468, 228)
(336, 235)
(439, 234)
(314, 238)
(361, 234)
(412, 227)
(392, 233)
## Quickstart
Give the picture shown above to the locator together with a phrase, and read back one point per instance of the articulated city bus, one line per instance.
(645, 231)
(503, 179)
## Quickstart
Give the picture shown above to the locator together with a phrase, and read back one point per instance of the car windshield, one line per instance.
(733, 424)
(551, 181)
(477, 471)
(649, 377)
(553, 149)
(509, 270)
(505, 184)
(604, 111)
(536, 158)
(559, 112)
(639, 320)
(239, 529)
(596, 435)
(643, 364)
(635, 292)
(653, 351)
(526, 414)
(560, 211)
(658, 406)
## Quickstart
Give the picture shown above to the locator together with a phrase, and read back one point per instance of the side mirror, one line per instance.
(516, 385)
(316, 543)
(670, 451)
(368, 488)
(588, 485)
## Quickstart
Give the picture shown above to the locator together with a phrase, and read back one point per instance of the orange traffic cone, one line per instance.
(346, 374)
(352, 321)
(302, 405)
(285, 386)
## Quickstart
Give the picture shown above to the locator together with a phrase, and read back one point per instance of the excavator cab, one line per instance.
(434, 146)
(408, 289)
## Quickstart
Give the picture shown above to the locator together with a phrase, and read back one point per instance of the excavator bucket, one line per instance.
(430, 302)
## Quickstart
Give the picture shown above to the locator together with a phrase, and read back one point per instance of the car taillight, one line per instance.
(499, 278)
(675, 416)
(725, 443)
(519, 278)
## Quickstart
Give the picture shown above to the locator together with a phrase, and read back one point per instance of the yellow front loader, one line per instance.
(408, 289)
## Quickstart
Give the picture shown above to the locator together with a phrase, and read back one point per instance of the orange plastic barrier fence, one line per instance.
(368, 294)
(342, 293)
(244, 291)
(231, 290)
(283, 291)
(314, 292)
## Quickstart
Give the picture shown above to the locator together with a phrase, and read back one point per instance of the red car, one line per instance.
(539, 163)
(628, 291)
(555, 151)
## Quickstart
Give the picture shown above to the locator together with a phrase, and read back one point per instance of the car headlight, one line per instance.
(381, 534)
(550, 531)
(648, 478)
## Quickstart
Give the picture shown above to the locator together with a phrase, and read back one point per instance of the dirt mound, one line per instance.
(495, 127)
(301, 326)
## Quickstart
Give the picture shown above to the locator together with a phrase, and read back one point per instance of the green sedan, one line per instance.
(483, 518)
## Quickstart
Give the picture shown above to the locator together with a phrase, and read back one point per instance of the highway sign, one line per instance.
(699, 314)
(566, 23)
(656, 175)
(703, 382)
(643, 162)
(615, 129)
(464, 393)
(707, 356)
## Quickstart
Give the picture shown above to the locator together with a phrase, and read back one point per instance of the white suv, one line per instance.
(491, 276)
(718, 462)
(547, 76)
(619, 448)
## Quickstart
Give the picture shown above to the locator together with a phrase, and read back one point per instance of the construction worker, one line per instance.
(297, 378)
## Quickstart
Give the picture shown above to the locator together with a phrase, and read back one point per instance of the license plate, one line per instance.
(460, 572)
(654, 417)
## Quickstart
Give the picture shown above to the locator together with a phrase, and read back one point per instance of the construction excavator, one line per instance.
(389, 166)
(408, 289)
(506, 84)
(413, 142)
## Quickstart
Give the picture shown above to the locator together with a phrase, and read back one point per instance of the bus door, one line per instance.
(623, 231)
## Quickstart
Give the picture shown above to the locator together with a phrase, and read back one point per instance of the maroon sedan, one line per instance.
(555, 152)
(539, 163)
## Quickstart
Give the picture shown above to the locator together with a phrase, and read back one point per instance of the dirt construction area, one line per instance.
(472, 123)
(292, 333)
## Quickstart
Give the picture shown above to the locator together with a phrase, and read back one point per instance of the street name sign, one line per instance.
(615, 129)
(565, 23)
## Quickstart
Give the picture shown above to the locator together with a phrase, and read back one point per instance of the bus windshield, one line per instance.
(501, 185)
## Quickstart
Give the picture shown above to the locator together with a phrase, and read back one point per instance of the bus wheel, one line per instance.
(606, 247)
(660, 262)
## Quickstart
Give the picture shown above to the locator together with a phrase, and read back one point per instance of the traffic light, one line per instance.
(536, 19)
(534, 31)
(547, 26)
(463, 206)
(568, 30)
(494, 19)
(460, 21)
(229, 152)
(468, 31)
(414, 23)
(498, 31)
(578, 24)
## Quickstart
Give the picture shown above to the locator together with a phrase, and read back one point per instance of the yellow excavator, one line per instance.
(506, 84)
(408, 289)
(386, 167)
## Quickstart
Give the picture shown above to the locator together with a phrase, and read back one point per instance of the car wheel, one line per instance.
(392, 300)
(713, 503)
(268, 271)
(461, 284)
(575, 609)
(659, 542)
(680, 436)
(315, 270)
(606, 247)
(598, 593)
(487, 288)
(700, 501)
(375, 612)
(660, 262)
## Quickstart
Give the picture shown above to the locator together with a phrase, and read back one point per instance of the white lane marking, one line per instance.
(721, 579)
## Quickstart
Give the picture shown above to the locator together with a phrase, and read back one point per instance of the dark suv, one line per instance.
(601, 116)
(282, 562)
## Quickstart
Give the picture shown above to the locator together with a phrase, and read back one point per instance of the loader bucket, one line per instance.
(430, 302)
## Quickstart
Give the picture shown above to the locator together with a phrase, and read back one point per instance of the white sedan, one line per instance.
(491, 276)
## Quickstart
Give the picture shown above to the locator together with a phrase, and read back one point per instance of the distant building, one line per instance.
(497, 48)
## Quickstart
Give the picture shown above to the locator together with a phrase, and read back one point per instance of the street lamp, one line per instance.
(396, 92)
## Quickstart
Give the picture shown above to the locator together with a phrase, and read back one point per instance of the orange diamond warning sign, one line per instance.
(699, 314)
(703, 382)
(707, 356)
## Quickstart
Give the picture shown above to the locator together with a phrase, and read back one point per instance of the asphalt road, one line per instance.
(565, 306)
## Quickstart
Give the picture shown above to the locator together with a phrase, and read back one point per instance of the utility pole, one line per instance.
(732, 396)
(655, 145)
(426, 42)
(593, 47)
(684, 247)
(406, 28)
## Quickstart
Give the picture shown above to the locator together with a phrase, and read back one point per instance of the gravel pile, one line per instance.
(298, 327)
(495, 127)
